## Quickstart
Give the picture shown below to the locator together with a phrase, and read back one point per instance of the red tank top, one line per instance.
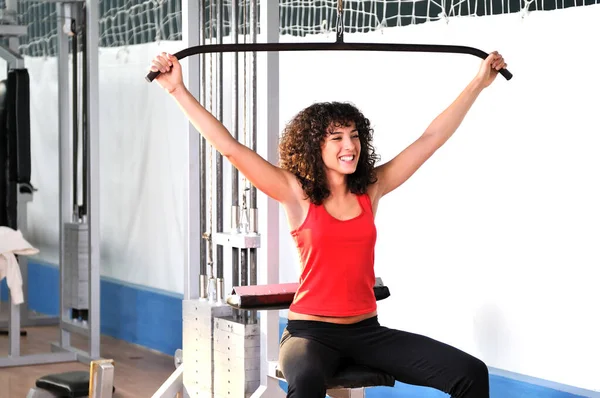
(337, 259)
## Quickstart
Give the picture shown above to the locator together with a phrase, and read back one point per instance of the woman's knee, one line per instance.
(304, 380)
(478, 370)
(301, 368)
(473, 380)
(301, 371)
(304, 375)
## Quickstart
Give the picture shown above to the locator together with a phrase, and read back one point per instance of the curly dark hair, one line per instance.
(300, 148)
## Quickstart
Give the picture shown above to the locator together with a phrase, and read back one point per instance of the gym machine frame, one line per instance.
(62, 351)
(14, 61)
(207, 318)
(268, 118)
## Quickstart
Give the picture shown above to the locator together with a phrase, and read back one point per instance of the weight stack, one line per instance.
(237, 358)
(76, 266)
(198, 341)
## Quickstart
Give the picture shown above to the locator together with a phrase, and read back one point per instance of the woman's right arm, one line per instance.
(268, 178)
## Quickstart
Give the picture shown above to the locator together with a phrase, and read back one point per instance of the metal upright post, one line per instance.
(65, 210)
(192, 215)
(93, 147)
(203, 147)
(253, 210)
(219, 158)
(268, 122)
(235, 125)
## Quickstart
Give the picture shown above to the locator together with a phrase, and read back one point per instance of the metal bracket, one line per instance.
(102, 374)
(13, 59)
(240, 241)
(13, 30)
(178, 357)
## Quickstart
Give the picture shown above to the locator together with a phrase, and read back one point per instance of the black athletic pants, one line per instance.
(311, 351)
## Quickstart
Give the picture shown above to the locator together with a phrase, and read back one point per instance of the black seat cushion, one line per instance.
(352, 375)
(68, 384)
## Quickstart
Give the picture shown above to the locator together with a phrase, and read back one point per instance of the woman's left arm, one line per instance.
(395, 172)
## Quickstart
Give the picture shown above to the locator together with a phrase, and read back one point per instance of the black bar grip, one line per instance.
(390, 47)
(152, 75)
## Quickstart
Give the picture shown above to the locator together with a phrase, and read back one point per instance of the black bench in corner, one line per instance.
(76, 384)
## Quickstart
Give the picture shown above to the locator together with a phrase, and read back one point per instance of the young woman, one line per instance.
(329, 186)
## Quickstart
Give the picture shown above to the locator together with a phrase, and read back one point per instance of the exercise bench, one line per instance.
(350, 380)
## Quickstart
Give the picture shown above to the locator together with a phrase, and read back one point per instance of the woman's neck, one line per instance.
(338, 187)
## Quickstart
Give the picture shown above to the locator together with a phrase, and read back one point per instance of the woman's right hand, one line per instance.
(170, 77)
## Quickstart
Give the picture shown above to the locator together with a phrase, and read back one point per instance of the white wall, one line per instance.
(491, 246)
(141, 162)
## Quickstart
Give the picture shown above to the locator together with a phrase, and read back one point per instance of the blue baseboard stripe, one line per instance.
(562, 390)
(3, 290)
(148, 317)
(153, 319)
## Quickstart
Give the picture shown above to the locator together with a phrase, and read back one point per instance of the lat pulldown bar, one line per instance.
(337, 46)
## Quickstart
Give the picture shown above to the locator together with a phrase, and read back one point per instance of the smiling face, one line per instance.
(341, 150)
(325, 155)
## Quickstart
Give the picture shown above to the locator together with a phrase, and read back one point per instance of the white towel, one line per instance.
(11, 243)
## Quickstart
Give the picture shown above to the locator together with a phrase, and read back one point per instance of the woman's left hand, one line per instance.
(489, 69)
